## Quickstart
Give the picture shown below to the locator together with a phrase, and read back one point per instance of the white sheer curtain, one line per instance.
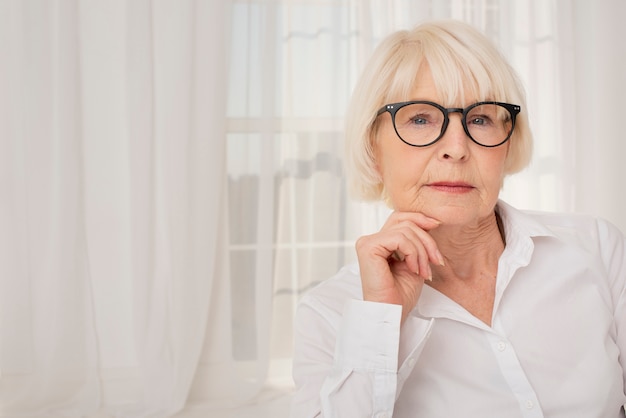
(113, 177)
(574, 67)
(593, 92)
(171, 181)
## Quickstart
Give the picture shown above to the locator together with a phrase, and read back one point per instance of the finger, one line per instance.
(422, 222)
(412, 250)
(404, 248)
(425, 222)
(418, 234)
(420, 257)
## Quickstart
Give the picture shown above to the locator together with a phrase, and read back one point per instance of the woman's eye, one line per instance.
(480, 120)
(422, 119)
(419, 120)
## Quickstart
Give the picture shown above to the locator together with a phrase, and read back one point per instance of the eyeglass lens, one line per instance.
(422, 123)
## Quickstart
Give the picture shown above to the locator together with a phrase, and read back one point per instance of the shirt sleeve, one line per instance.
(353, 364)
(613, 245)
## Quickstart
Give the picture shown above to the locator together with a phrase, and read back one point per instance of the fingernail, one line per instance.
(397, 256)
(442, 262)
(440, 258)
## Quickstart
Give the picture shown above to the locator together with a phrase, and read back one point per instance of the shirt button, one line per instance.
(530, 405)
(501, 346)
(383, 414)
(411, 362)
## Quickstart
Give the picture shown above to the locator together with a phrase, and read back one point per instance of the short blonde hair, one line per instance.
(461, 59)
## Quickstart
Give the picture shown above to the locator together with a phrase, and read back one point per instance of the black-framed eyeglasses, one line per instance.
(422, 123)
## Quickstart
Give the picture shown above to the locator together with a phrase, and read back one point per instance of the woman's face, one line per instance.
(454, 180)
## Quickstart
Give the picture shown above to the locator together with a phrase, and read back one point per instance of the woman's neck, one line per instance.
(469, 251)
(471, 265)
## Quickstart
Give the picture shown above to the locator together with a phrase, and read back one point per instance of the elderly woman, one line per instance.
(460, 305)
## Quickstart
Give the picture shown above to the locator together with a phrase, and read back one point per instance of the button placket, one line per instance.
(513, 373)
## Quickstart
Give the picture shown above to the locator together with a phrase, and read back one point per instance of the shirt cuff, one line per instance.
(368, 337)
(415, 332)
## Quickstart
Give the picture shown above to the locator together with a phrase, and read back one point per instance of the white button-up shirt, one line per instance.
(556, 347)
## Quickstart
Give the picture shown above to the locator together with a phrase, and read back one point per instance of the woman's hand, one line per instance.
(395, 261)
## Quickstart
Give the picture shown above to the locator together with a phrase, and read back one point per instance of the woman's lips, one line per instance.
(451, 187)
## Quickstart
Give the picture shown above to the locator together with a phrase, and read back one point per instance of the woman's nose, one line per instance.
(454, 144)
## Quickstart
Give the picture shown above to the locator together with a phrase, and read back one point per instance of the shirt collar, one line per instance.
(518, 223)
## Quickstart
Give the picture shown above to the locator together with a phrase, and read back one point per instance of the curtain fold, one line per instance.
(177, 177)
(593, 93)
(48, 339)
